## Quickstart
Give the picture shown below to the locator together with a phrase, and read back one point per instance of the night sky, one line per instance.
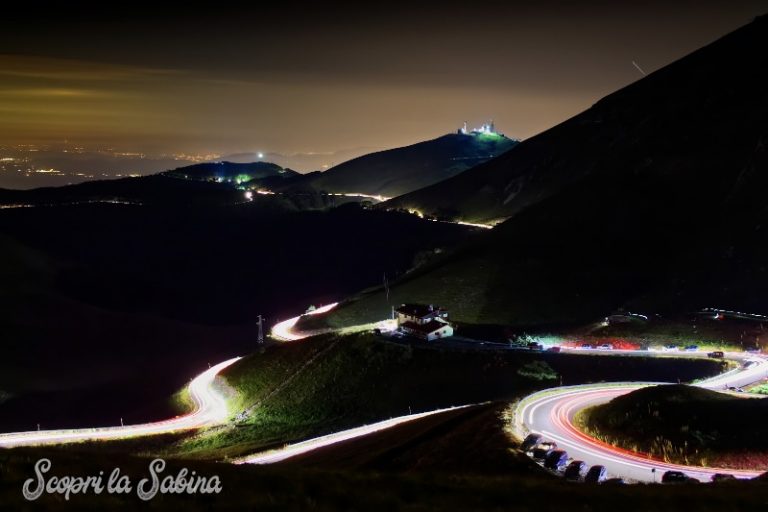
(330, 77)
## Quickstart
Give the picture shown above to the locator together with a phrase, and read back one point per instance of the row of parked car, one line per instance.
(556, 460)
(547, 453)
(678, 477)
(604, 346)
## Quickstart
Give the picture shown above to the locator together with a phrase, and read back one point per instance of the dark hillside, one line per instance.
(398, 171)
(698, 124)
(108, 308)
(651, 199)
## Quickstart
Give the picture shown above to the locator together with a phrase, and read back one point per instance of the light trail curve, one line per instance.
(210, 408)
(292, 450)
(551, 413)
(284, 330)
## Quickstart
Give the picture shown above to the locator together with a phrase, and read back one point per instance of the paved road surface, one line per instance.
(210, 409)
(551, 412)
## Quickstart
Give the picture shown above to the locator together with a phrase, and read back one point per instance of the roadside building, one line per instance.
(422, 321)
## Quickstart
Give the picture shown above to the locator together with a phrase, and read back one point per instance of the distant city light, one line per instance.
(261, 155)
(249, 195)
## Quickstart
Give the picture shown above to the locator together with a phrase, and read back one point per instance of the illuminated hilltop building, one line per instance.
(486, 129)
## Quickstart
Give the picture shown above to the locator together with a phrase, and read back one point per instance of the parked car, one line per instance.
(606, 346)
(541, 453)
(575, 470)
(586, 345)
(556, 460)
(674, 477)
(554, 349)
(548, 444)
(717, 354)
(535, 346)
(670, 348)
(692, 348)
(596, 474)
(753, 350)
(722, 477)
(530, 442)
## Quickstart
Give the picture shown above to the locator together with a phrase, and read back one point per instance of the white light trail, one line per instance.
(210, 409)
(378, 198)
(472, 224)
(551, 411)
(284, 330)
(755, 316)
(293, 450)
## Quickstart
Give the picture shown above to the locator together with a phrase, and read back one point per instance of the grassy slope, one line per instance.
(463, 441)
(686, 424)
(497, 281)
(354, 380)
(708, 333)
(398, 171)
(577, 257)
(350, 380)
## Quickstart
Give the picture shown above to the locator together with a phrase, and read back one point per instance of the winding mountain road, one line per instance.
(292, 450)
(210, 409)
(551, 413)
(283, 331)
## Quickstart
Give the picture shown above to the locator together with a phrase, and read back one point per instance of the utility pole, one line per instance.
(260, 339)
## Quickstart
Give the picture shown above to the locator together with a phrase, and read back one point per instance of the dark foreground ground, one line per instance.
(455, 462)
